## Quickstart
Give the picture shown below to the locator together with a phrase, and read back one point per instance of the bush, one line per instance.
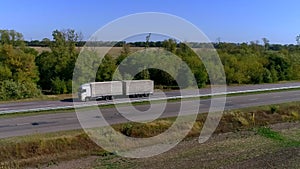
(58, 86)
(69, 86)
(273, 109)
(126, 129)
(10, 89)
(29, 90)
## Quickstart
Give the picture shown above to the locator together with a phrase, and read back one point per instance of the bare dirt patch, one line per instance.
(81, 163)
(284, 158)
(243, 149)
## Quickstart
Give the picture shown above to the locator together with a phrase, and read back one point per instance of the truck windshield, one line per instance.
(81, 90)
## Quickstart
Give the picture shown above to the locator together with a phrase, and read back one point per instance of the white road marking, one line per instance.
(22, 124)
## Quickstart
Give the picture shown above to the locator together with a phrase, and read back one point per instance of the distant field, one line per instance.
(114, 52)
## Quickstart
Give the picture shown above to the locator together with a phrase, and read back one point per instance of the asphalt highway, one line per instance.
(19, 106)
(18, 126)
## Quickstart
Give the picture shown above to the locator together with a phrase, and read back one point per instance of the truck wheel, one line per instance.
(87, 99)
(108, 97)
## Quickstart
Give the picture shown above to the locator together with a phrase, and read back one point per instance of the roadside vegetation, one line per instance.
(52, 148)
(27, 72)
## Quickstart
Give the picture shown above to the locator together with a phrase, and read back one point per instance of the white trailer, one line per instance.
(138, 88)
(106, 90)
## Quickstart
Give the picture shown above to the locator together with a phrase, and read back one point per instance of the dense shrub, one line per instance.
(58, 86)
(10, 89)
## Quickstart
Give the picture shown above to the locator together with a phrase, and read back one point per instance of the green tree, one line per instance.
(17, 67)
(170, 45)
(295, 65)
(298, 39)
(58, 65)
(147, 40)
(106, 69)
(144, 74)
(124, 53)
(5, 72)
(184, 77)
(19, 59)
(58, 86)
(266, 43)
(279, 66)
(11, 37)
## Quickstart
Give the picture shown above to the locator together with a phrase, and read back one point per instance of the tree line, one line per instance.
(26, 73)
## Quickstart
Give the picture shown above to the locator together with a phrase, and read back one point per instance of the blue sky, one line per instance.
(231, 20)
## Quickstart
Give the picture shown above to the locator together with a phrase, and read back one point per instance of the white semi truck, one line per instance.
(106, 90)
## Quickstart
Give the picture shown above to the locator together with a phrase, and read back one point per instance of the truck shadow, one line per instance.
(77, 100)
(70, 100)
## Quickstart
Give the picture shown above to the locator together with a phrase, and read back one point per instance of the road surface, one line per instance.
(18, 126)
(35, 105)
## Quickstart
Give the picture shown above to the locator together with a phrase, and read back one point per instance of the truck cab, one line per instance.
(84, 92)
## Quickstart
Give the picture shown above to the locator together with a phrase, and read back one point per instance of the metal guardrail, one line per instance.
(145, 99)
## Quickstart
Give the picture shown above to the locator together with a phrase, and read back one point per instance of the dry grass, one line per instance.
(44, 148)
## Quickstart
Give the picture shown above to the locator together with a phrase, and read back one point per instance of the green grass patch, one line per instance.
(269, 133)
(276, 136)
